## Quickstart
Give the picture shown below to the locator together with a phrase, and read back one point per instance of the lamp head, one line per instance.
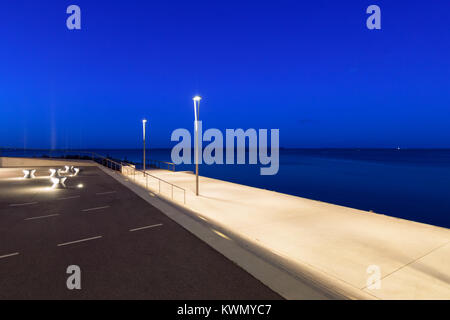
(144, 121)
(197, 98)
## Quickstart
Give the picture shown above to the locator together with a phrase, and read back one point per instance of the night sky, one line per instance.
(310, 68)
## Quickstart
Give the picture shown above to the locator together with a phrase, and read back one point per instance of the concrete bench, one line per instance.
(58, 182)
(75, 172)
(66, 169)
(29, 173)
(52, 173)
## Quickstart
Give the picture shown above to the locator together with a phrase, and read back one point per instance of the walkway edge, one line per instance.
(276, 272)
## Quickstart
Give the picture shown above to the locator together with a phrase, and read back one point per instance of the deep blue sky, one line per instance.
(310, 68)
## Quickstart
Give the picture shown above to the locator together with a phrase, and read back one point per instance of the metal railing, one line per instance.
(106, 162)
(160, 164)
(128, 170)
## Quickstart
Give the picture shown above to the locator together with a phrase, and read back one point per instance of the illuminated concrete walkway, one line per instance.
(329, 246)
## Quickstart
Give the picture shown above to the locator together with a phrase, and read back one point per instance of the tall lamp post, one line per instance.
(197, 116)
(144, 122)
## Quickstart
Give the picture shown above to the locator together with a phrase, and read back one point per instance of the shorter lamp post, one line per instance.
(197, 116)
(144, 122)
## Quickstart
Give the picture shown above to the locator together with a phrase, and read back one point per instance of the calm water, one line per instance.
(410, 184)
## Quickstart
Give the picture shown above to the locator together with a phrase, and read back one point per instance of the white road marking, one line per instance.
(147, 227)
(22, 204)
(92, 209)
(9, 255)
(42, 217)
(78, 241)
(67, 198)
(103, 193)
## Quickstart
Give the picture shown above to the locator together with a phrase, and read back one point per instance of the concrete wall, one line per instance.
(11, 162)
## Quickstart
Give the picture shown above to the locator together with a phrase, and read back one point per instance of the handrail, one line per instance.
(170, 165)
(105, 158)
(146, 174)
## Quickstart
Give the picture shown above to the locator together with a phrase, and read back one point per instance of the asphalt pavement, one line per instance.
(124, 247)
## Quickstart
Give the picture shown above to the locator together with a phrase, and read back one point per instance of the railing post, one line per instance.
(146, 182)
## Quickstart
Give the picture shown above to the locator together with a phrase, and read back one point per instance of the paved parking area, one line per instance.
(126, 248)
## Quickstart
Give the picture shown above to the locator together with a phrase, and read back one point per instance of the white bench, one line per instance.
(29, 173)
(58, 182)
(65, 171)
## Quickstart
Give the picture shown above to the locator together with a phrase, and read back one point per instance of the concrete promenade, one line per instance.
(327, 246)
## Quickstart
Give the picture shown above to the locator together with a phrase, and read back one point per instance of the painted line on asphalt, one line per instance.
(22, 204)
(147, 227)
(42, 217)
(9, 255)
(92, 209)
(78, 241)
(104, 193)
(68, 198)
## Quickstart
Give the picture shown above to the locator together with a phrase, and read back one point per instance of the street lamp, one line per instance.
(197, 116)
(144, 122)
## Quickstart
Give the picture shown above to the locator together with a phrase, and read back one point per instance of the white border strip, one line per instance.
(42, 217)
(104, 193)
(92, 209)
(78, 241)
(68, 198)
(22, 204)
(9, 255)
(147, 227)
